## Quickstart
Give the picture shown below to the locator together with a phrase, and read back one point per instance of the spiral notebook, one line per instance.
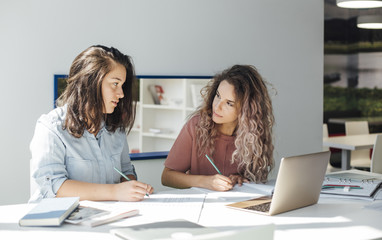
(353, 182)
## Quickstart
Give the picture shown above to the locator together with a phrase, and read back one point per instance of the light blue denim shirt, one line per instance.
(57, 156)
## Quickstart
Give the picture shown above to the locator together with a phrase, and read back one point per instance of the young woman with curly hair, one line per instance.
(233, 127)
(76, 146)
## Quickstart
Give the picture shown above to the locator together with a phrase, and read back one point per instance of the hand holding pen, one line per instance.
(218, 182)
(136, 190)
(234, 178)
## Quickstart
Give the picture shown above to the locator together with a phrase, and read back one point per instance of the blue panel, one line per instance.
(55, 87)
(148, 155)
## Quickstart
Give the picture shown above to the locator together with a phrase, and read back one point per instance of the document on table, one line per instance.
(181, 203)
(238, 193)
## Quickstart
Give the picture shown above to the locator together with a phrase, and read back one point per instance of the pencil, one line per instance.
(213, 164)
(341, 186)
(126, 177)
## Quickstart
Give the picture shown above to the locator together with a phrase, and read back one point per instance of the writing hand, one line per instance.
(132, 191)
(237, 179)
(218, 182)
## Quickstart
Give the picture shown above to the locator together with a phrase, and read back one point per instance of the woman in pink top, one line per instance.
(233, 127)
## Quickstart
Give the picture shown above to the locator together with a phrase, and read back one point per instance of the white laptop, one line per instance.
(298, 185)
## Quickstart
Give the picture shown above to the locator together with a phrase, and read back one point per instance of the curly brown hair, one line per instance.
(253, 142)
(83, 94)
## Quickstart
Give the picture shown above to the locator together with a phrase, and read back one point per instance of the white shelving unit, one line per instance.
(169, 118)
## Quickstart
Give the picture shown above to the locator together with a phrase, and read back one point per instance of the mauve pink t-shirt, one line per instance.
(183, 154)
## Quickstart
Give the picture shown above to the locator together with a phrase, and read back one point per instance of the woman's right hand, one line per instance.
(218, 182)
(132, 191)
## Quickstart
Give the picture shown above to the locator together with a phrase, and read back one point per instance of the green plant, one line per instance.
(367, 101)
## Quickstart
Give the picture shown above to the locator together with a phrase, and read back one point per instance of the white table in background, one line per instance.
(348, 144)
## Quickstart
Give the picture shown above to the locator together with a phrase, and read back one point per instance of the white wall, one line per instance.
(283, 39)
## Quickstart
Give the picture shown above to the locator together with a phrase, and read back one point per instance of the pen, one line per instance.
(341, 186)
(126, 177)
(213, 164)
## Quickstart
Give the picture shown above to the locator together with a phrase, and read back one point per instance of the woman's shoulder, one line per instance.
(54, 117)
(194, 119)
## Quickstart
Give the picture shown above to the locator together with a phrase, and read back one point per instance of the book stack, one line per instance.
(50, 212)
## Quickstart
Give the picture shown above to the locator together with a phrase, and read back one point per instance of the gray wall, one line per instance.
(283, 39)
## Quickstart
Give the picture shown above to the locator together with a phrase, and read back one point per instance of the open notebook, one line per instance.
(298, 184)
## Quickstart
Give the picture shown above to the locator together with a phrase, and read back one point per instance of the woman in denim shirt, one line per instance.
(76, 146)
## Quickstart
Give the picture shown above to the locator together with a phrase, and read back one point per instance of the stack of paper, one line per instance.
(181, 203)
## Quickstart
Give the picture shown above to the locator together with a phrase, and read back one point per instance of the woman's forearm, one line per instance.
(175, 179)
(87, 191)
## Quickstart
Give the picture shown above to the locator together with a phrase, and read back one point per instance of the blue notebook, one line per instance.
(50, 212)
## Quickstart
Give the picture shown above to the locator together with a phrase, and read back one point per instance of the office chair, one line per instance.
(376, 158)
(359, 159)
(335, 157)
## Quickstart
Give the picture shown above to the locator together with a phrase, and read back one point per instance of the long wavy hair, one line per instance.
(253, 142)
(83, 94)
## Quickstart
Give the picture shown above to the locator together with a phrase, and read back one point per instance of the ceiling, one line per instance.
(332, 11)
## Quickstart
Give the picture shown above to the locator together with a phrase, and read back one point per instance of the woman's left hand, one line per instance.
(237, 179)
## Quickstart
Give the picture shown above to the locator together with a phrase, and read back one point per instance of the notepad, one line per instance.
(50, 212)
(355, 183)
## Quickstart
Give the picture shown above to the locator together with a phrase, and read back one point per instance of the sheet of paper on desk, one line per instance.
(261, 188)
(181, 203)
(168, 198)
(246, 191)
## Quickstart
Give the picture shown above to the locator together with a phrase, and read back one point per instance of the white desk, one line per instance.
(370, 120)
(348, 144)
(329, 219)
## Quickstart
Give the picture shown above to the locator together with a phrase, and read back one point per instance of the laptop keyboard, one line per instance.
(264, 207)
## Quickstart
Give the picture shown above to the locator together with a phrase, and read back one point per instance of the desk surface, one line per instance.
(352, 142)
(331, 218)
